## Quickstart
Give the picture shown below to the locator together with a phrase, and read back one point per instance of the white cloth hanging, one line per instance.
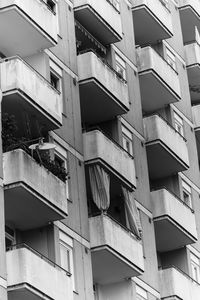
(132, 212)
(100, 187)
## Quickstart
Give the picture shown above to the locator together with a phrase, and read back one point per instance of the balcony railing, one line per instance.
(30, 190)
(190, 17)
(175, 196)
(51, 282)
(105, 62)
(175, 283)
(174, 222)
(166, 145)
(24, 87)
(192, 55)
(157, 19)
(32, 21)
(100, 149)
(124, 255)
(102, 19)
(103, 93)
(159, 82)
(196, 118)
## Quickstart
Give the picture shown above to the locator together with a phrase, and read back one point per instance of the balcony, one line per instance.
(175, 284)
(33, 196)
(157, 19)
(100, 18)
(190, 17)
(174, 221)
(103, 94)
(166, 146)
(159, 82)
(32, 276)
(26, 94)
(196, 118)
(26, 27)
(114, 258)
(192, 57)
(101, 150)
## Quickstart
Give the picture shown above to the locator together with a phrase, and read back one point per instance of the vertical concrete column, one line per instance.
(3, 281)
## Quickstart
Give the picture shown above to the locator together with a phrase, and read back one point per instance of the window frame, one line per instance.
(9, 236)
(178, 124)
(141, 294)
(120, 65)
(62, 153)
(115, 4)
(187, 190)
(67, 242)
(127, 137)
(171, 59)
(195, 267)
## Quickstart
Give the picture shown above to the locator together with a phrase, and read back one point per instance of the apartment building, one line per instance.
(99, 163)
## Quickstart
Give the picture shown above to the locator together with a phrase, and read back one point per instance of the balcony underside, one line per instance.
(194, 82)
(26, 209)
(153, 30)
(96, 25)
(25, 292)
(155, 93)
(170, 235)
(189, 19)
(159, 155)
(97, 103)
(28, 113)
(20, 35)
(109, 266)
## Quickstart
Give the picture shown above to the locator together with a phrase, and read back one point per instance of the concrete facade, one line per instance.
(109, 83)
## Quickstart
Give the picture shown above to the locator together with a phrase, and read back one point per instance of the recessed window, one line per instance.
(66, 255)
(141, 294)
(127, 140)
(55, 80)
(195, 267)
(178, 124)
(187, 193)
(9, 237)
(61, 159)
(116, 4)
(52, 5)
(165, 2)
(171, 59)
(120, 66)
(55, 76)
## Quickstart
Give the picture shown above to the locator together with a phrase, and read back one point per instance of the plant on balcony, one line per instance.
(11, 141)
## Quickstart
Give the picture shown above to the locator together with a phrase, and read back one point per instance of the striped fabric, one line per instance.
(100, 187)
(132, 212)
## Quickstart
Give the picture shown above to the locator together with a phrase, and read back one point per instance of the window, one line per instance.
(9, 236)
(187, 193)
(195, 267)
(171, 59)
(60, 158)
(116, 4)
(164, 2)
(55, 76)
(120, 66)
(66, 254)
(178, 124)
(55, 80)
(52, 5)
(141, 294)
(127, 140)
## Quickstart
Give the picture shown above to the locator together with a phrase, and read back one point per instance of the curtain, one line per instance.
(100, 187)
(132, 212)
